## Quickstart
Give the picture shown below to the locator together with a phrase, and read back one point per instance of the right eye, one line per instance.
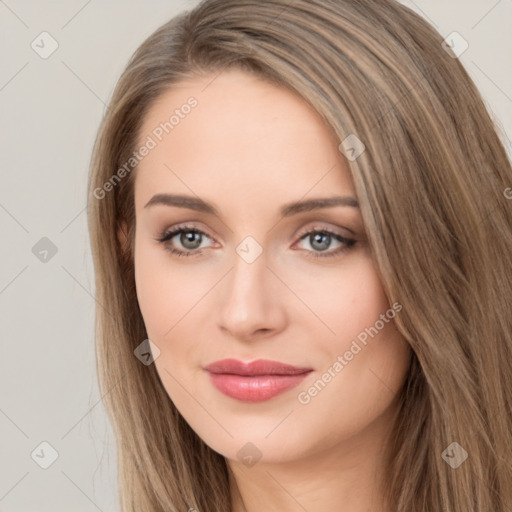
(189, 237)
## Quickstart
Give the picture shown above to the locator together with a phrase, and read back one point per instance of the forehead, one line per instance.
(243, 138)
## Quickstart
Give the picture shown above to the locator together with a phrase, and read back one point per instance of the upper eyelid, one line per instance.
(317, 227)
(176, 229)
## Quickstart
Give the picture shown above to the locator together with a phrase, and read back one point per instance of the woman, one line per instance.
(301, 226)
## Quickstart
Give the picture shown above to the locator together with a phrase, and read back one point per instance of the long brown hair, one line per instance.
(432, 186)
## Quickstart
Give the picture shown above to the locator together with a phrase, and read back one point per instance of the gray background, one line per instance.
(50, 111)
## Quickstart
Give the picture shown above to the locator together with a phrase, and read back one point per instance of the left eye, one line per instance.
(321, 239)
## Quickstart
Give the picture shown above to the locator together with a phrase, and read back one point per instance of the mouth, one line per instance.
(255, 381)
(254, 368)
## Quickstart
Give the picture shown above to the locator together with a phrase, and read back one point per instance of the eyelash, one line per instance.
(168, 235)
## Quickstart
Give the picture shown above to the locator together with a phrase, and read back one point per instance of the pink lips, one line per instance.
(255, 381)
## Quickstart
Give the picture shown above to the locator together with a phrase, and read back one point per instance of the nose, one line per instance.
(252, 301)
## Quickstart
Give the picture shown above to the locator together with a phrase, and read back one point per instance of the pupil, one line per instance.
(187, 238)
(317, 238)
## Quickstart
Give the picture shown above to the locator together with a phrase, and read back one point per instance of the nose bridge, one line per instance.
(248, 278)
(249, 302)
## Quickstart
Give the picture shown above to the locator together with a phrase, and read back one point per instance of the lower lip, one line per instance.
(254, 388)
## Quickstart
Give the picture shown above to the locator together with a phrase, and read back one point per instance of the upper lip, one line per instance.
(258, 367)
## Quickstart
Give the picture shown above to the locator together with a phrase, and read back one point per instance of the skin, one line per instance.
(248, 148)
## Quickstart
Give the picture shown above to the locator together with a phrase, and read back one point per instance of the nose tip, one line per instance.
(250, 304)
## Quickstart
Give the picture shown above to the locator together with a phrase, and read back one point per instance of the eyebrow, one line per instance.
(197, 204)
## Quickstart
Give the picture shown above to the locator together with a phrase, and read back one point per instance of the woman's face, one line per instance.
(260, 279)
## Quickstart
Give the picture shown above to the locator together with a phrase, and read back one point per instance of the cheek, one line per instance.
(153, 299)
(365, 360)
(343, 300)
(366, 303)
(375, 353)
(165, 292)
